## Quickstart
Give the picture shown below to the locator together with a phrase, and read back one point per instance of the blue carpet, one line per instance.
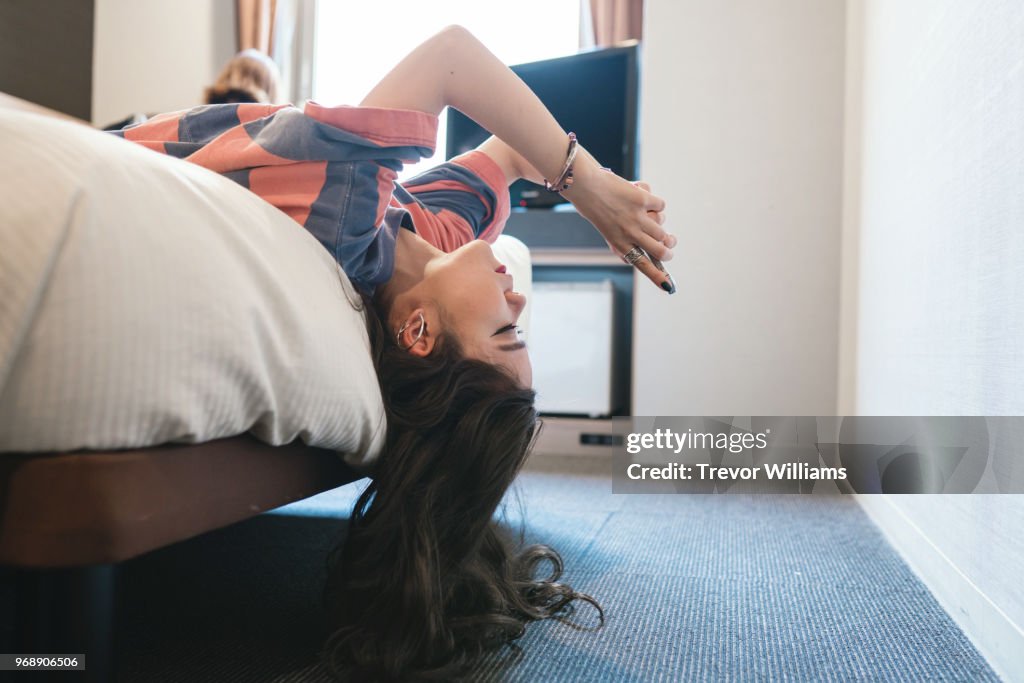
(695, 588)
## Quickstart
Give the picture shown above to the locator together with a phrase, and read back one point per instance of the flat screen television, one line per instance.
(594, 94)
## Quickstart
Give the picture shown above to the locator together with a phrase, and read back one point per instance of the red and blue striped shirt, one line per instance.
(334, 170)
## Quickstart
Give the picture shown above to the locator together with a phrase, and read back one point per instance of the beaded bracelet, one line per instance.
(564, 180)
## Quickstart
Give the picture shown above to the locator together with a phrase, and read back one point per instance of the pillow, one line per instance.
(147, 300)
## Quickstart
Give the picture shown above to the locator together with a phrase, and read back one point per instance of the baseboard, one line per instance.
(567, 436)
(995, 635)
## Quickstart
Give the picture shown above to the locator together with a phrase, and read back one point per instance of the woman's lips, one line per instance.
(500, 269)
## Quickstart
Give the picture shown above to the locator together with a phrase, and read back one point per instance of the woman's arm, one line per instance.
(514, 165)
(454, 69)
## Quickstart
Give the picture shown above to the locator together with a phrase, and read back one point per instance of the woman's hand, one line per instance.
(626, 214)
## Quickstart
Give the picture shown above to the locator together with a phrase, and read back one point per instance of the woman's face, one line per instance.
(480, 306)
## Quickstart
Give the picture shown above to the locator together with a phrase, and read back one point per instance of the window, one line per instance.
(357, 43)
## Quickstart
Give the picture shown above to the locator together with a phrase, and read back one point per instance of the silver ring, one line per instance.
(419, 334)
(634, 255)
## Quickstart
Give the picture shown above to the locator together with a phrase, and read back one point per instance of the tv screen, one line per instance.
(593, 94)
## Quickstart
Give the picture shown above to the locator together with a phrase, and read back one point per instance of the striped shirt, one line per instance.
(333, 170)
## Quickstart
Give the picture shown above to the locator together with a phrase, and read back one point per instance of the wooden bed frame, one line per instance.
(68, 519)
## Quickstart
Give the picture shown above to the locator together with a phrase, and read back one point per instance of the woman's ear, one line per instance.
(416, 334)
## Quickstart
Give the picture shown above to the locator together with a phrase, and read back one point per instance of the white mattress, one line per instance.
(146, 300)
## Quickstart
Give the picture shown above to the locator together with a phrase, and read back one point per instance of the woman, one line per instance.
(423, 582)
(249, 76)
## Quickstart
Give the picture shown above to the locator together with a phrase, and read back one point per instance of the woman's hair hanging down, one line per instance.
(250, 76)
(425, 581)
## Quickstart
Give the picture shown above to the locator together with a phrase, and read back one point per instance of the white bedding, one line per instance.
(145, 300)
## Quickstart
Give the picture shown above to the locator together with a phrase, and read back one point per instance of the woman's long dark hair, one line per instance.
(425, 580)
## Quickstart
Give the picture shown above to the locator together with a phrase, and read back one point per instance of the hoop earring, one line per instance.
(419, 334)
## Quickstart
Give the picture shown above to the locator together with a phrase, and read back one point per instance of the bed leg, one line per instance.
(68, 611)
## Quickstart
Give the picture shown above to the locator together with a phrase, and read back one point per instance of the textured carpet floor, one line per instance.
(695, 588)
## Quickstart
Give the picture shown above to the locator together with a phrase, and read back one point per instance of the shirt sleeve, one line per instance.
(459, 201)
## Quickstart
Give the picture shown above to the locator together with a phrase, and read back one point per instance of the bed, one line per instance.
(176, 355)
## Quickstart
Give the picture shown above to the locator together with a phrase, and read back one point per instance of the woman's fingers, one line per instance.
(659, 277)
(663, 241)
(652, 202)
(665, 237)
(654, 247)
(629, 216)
(637, 222)
(656, 210)
(652, 227)
(655, 207)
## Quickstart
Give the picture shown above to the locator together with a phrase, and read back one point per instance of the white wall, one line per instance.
(941, 324)
(157, 56)
(937, 215)
(742, 112)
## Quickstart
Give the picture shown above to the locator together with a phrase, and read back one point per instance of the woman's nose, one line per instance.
(517, 302)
